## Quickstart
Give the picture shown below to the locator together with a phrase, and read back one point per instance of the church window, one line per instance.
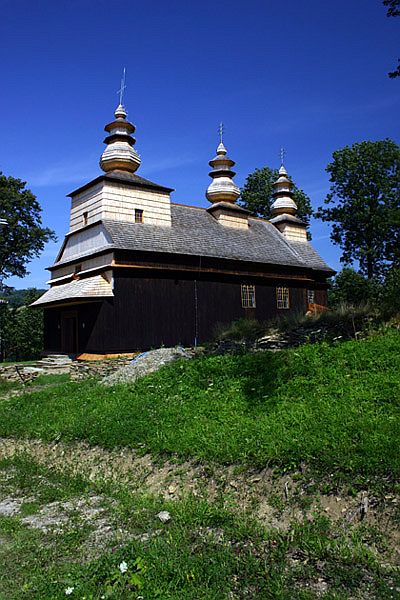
(311, 296)
(282, 297)
(138, 215)
(85, 218)
(248, 296)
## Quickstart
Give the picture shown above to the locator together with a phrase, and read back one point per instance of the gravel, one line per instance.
(145, 363)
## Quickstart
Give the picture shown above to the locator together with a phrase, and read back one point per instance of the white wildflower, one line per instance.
(123, 567)
(69, 590)
(164, 516)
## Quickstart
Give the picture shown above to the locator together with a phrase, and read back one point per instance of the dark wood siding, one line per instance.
(52, 330)
(149, 311)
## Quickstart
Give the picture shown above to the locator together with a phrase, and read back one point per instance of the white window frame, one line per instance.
(248, 295)
(311, 296)
(282, 298)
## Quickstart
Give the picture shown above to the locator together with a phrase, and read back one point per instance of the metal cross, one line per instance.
(282, 155)
(221, 130)
(122, 88)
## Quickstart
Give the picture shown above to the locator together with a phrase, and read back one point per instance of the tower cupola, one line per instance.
(119, 153)
(283, 195)
(284, 208)
(223, 192)
(222, 188)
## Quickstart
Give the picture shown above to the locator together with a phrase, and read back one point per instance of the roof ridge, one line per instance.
(188, 206)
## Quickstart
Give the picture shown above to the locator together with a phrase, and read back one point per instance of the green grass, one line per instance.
(8, 386)
(205, 552)
(41, 380)
(334, 407)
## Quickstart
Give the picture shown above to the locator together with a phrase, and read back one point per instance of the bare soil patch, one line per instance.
(275, 501)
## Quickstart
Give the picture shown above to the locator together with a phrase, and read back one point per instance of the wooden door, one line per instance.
(69, 333)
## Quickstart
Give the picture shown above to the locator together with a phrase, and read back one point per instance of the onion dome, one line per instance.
(283, 195)
(222, 188)
(119, 153)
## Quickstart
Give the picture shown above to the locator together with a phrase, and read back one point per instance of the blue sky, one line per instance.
(310, 76)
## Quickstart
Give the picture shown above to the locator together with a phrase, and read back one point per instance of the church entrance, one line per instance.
(69, 332)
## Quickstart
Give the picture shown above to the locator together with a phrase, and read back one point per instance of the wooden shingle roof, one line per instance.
(196, 232)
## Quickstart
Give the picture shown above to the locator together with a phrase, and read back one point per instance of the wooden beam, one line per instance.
(212, 271)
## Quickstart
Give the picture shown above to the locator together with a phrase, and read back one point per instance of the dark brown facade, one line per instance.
(154, 308)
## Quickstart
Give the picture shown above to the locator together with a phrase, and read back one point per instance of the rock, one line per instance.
(146, 363)
(10, 507)
(164, 516)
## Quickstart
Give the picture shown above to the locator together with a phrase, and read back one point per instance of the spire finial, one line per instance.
(222, 188)
(282, 156)
(221, 130)
(119, 153)
(122, 88)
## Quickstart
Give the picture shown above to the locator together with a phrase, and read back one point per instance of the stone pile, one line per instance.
(145, 363)
(275, 340)
(96, 368)
(19, 373)
(55, 364)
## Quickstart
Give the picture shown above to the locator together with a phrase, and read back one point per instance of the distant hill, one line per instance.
(16, 298)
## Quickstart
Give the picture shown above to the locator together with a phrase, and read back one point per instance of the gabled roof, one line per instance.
(196, 232)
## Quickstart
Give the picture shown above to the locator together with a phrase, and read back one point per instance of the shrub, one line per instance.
(242, 330)
(350, 287)
(22, 329)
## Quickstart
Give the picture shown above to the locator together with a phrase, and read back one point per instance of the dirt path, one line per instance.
(275, 501)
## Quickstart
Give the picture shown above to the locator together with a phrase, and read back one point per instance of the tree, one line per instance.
(350, 287)
(257, 195)
(22, 328)
(391, 291)
(15, 298)
(23, 238)
(364, 205)
(393, 11)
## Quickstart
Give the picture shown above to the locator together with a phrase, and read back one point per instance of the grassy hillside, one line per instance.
(278, 471)
(334, 407)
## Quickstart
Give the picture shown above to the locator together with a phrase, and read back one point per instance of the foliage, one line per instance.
(393, 7)
(16, 298)
(391, 291)
(22, 329)
(257, 195)
(352, 288)
(242, 330)
(24, 237)
(393, 11)
(334, 407)
(364, 205)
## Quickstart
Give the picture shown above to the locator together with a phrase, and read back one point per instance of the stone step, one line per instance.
(55, 363)
(48, 360)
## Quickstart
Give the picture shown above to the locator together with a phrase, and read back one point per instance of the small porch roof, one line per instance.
(90, 287)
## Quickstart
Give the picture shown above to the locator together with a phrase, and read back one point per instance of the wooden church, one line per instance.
(137, 271)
